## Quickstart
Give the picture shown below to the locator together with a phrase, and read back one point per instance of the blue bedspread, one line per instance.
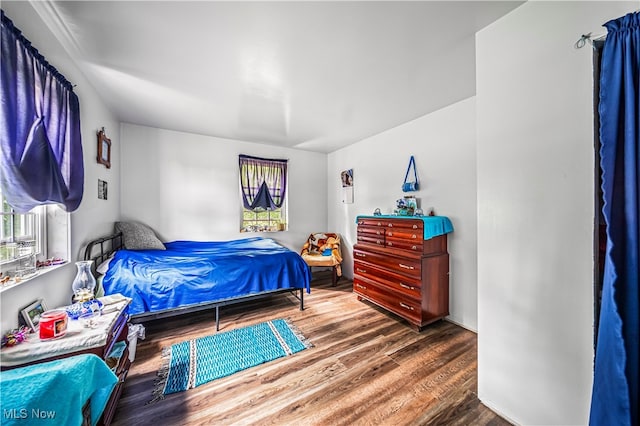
(194, 272)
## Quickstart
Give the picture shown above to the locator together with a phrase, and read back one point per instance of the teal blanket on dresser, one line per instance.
(433, 225)
(53, 393)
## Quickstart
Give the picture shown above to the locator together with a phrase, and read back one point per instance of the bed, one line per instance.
(188, 276)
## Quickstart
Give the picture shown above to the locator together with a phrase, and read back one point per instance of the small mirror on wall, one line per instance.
(104, 149)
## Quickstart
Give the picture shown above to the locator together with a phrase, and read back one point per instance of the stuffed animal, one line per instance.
(325, 245)
(313, 244)
(329, 246)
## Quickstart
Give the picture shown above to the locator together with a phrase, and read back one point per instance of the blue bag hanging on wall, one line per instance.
(411, 186)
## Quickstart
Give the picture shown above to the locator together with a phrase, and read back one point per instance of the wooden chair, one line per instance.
(323, 249)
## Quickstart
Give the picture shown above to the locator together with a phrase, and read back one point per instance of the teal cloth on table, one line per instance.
(53, 393)
(433, 225)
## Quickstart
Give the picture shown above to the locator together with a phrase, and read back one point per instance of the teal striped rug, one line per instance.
(195, 362)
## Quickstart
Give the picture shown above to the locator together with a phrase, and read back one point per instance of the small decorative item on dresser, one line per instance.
(53, 324)
(76, 310)
(84, 283)
(405, 206)
(16, 336)
(32, 313)
(411, 203)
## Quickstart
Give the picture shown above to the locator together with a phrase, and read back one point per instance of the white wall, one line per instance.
(185, 186)
(535, 211)
(94, 217)
(443, 144)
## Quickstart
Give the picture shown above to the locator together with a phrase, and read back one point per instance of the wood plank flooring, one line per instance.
(367, 367)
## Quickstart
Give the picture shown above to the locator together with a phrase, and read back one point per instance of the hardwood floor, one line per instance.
(367, 367)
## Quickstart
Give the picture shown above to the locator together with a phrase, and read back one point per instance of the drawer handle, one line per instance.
(362, 271)
(415, 226)
(390, 234)
(414, 236)
(378, 242)
(408, 287)
(414, 247)
(406, 266)
(361, 255)
(377, 232)
(391, 225)
(361, 286)
(404, 305)
(389, 243)
(379, 224)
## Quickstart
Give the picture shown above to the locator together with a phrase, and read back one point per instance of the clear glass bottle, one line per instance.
(84, 284)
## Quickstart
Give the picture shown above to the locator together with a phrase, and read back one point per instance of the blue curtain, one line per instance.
(41, 146)
(263, 182)
(615, 388)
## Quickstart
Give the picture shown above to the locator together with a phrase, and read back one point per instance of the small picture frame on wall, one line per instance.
(102, 189)
(31, 314)
(346, 177)
(104, 149)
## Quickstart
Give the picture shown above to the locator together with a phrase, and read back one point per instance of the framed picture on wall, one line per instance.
(104, 149)
(102, 189)
(346, 177)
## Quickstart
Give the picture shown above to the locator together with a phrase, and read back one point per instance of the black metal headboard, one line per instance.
(99, 250)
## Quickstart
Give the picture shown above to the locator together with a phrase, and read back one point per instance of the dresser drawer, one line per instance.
(405, 224)
(415, 235)
(372, 222)
(403, 285)
(404, 244)
(407, 241)
(378, 231)
(403, 306)
(402, 265)
(371, 239)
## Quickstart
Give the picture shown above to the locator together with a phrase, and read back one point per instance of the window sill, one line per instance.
(266, 231)
(12, 283)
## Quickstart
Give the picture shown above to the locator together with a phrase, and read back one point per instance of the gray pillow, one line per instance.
(138, 236)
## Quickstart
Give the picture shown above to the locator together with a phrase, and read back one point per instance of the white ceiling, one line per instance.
(308, 75)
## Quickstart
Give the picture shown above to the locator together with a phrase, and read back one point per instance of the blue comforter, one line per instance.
(194, 272)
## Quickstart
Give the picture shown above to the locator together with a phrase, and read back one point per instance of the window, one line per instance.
(27, 239)
(263, 184)
(21, 239)
(264, 220)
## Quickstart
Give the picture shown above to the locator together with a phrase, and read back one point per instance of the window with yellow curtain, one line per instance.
(263, 187)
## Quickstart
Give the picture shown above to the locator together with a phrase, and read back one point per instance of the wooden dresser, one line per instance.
(396, 268)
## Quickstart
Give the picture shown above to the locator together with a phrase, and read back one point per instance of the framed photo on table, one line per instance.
(31, 314)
